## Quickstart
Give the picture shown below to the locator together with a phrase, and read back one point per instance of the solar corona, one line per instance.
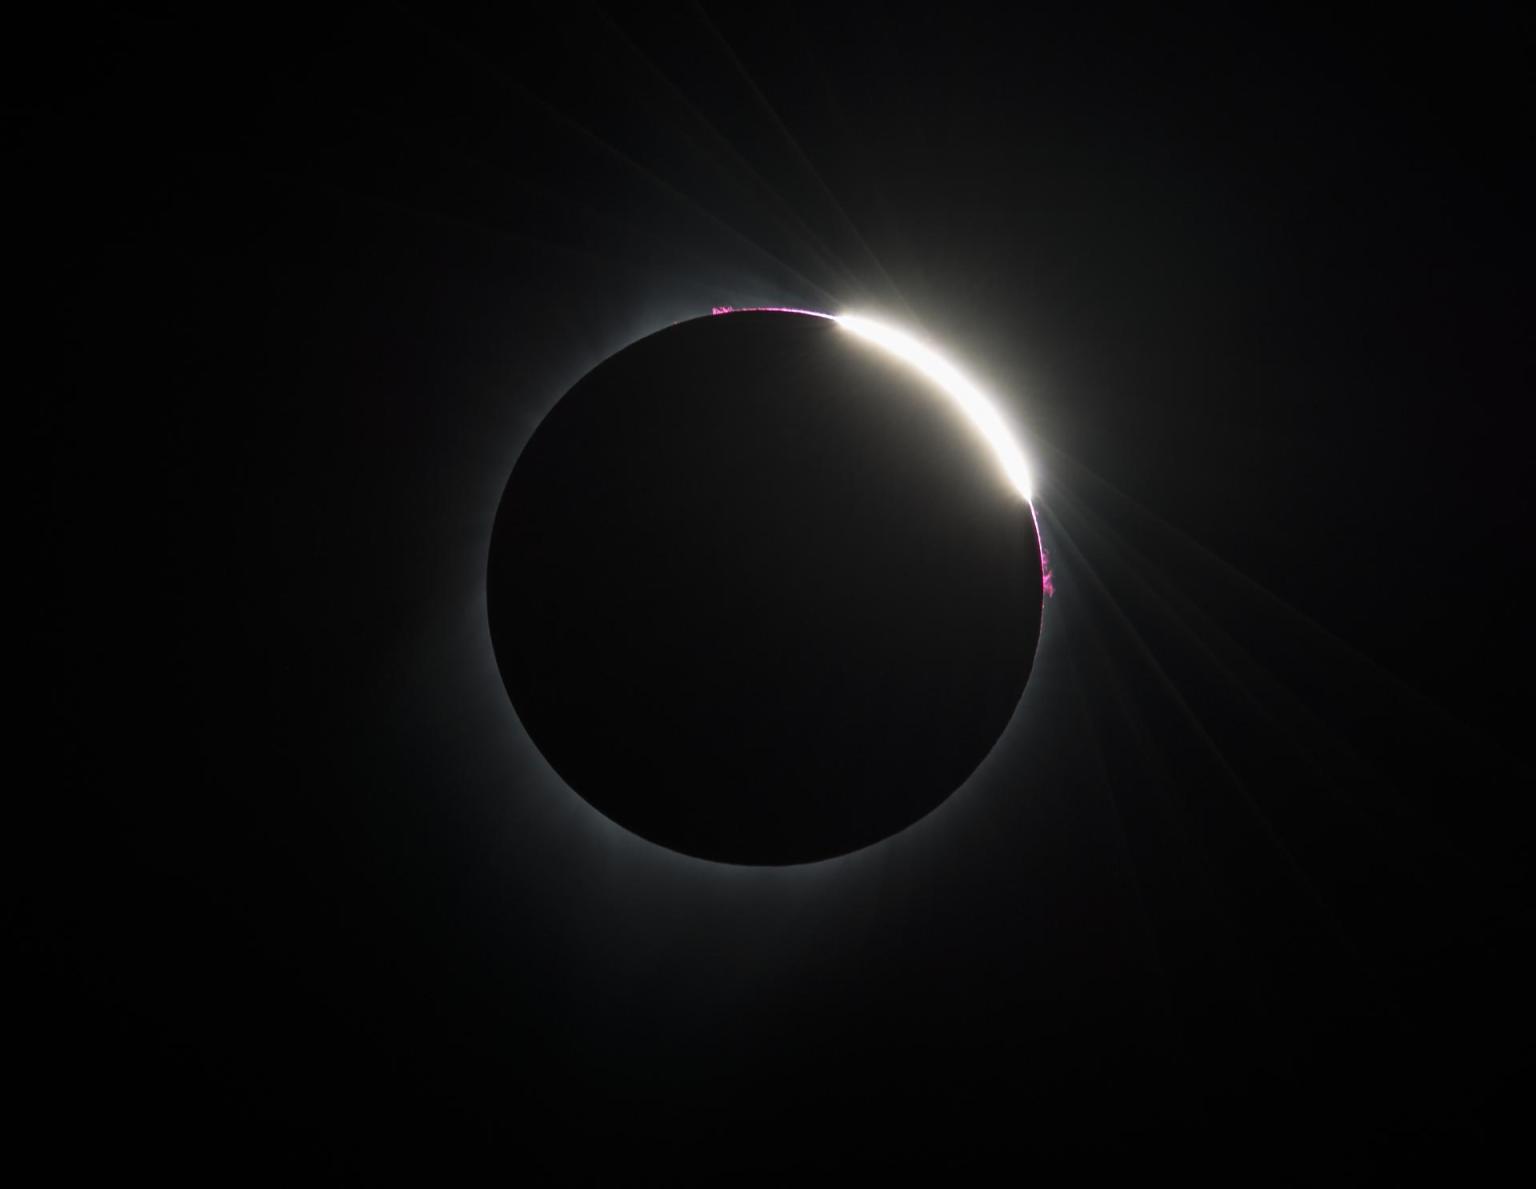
(765, 588)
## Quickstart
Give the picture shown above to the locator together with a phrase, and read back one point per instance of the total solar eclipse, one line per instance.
(765, 587)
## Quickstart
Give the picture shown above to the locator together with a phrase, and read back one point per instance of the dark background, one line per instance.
(1243, 889)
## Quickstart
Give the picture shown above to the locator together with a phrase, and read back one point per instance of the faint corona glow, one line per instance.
(975, 404)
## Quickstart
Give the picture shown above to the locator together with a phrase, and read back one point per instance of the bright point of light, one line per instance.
(974, 403)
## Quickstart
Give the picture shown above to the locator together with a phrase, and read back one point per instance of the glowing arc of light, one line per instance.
(979, 408)
(975, 404)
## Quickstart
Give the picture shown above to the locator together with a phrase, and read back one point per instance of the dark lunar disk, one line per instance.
(759, 591)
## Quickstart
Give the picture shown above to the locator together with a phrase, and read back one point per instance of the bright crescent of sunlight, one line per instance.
(976, 405)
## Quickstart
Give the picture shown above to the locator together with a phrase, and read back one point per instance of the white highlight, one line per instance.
(976, 405)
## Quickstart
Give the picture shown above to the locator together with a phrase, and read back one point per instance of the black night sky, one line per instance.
(1241, 892)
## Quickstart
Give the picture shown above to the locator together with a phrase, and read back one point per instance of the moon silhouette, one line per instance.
(761, 591)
